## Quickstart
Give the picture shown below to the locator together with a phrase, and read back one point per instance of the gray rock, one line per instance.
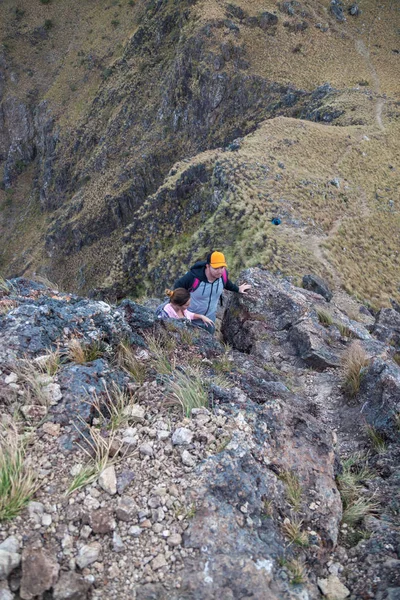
(127, 509)
(88, 554)
(124, 479)
(332, 587)
(118, 544)
(187, 459)
(8, 562)
(108, 481)
(182, 436)
(10, 544)
(71, 586)
(146, 449)
(5, 592)
(318, 285)
(39, 572)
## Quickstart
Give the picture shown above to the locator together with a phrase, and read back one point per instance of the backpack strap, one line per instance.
(224, 277)
(194, 285)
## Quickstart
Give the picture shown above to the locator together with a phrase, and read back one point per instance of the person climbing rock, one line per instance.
(206, 281)
(177, 307)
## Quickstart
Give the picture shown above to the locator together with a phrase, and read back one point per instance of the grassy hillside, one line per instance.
(138, 102)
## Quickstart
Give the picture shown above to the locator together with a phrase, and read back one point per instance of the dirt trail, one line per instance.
(380, 102)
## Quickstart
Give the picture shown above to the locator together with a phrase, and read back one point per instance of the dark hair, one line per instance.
(208, 257)
(179, 296)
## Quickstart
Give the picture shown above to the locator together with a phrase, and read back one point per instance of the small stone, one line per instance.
(36, 510)
(187, 459)
(46, 520)
(113, 571)
(333, 588)
(124, 479)
(154, 502)
(173, 491)
(146, 450)
(108, 480)
(182, 436)
(118, 544)
(51, 429)
(10, 544)
(135, 413)
(33, 412)
(163, 435)
(11, 378)
(76, 469)
(85, 532)
(102, 520)
(158, 562)
(53, 393)
(88, 554)
(91, 503)
(135, 531)
(174, 540)
(127, 509)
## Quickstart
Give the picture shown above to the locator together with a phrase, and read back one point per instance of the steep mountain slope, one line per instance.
(100, 102)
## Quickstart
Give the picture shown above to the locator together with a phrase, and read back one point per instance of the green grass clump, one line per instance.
(355, 472)
(187, 390)
(357, 510)
(324, 317)
(161, 347)
(17, 478)
(377, 440)
(113, 406)
(297, 571)
(294, 490)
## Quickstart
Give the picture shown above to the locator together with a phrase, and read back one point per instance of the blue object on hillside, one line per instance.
(275, 221)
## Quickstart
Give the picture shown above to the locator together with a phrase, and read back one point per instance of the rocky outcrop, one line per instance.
(241, 499)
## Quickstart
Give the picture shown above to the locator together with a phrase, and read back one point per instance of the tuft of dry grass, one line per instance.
(80, 352)
(297, 570)
(324, 317)
(98, 449)
(354, 361)
(294, 490)
(377, 440)
(113, 406)
(293, 530)
(127, 361)
(357, 510)
(187, 390)
(17, 478)
(34, 380)
(161, 347)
